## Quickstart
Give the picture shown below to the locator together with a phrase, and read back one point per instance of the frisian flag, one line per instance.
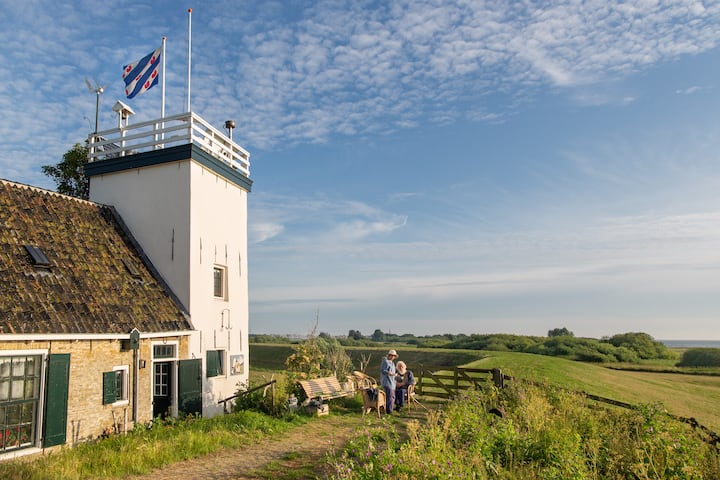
(142, 75)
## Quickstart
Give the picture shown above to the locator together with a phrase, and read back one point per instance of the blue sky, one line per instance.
(424, 166)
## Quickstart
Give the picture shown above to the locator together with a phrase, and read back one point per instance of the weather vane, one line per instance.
(98, 89)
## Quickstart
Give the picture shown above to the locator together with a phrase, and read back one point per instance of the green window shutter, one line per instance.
(190, 386)
(212, 363)
(109, 388)
(56, 405)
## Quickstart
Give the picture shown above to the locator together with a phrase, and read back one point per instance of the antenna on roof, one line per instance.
(98, 91)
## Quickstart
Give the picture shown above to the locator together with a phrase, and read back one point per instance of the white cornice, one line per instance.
(44, 337)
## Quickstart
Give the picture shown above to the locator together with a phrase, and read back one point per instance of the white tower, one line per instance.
(181, 187)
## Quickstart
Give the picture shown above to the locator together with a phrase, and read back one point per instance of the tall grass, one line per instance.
(145, 449)
(534, 433)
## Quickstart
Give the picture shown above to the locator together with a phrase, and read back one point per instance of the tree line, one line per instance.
(630, 347)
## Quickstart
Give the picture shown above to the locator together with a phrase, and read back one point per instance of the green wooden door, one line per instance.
(56, 401)
(190, 386)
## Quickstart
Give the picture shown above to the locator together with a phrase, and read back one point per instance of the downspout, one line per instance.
(136, 383)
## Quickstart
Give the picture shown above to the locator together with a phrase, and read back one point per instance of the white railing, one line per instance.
(167, 132)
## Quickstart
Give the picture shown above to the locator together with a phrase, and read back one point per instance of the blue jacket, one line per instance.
(387, 373)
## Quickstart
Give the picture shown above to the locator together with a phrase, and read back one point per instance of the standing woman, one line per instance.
(387, 380)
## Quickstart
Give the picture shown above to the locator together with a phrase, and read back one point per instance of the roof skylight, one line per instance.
(39, 259)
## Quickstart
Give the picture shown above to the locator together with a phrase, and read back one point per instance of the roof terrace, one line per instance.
(158, 134)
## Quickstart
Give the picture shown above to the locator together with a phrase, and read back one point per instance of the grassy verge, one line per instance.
(542, 433)
(145, 449)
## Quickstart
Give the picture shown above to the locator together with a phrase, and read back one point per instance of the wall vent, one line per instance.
(131, 268)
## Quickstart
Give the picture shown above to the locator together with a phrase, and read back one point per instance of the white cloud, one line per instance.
(323, 222)
(628, 256)
(335, 68)
(688, 90)
(259, 232)
(356, 230)
(436, 54)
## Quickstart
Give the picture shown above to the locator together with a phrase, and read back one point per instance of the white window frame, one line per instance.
(223, 282)
(40, 417)
(125, 394)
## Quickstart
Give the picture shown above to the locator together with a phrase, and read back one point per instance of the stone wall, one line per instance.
(87, 417)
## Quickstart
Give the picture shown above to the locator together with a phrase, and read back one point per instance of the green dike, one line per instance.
(685, 395)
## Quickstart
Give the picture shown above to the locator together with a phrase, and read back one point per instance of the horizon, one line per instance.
(290, 336)
(423, 166)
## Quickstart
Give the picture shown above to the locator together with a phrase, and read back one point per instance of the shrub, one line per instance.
(700, 357)
(316, 357)
(643, 344)
(431, 343)
(271, 399)
(626, 347)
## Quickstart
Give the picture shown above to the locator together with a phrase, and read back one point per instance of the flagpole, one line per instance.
(162, 77)
(189, 56)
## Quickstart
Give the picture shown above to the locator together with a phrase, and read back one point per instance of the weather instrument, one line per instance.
(98, 90)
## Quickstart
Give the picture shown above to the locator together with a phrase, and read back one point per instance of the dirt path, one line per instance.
(295, 454)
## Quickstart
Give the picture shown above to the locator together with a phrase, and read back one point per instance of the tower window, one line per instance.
(215, 365)
(219, 282)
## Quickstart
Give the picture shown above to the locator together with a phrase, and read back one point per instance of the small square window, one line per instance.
(164, 351)
(219, 282)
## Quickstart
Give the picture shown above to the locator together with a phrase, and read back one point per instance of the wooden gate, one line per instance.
(448, 382)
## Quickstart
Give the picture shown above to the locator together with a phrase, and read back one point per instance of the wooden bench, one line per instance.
(325, 388)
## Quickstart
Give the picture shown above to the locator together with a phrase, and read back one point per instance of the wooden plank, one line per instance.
(438, 383)
(324, 388)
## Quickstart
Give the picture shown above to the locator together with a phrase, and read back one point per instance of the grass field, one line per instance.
(686, 395)
(267, 356)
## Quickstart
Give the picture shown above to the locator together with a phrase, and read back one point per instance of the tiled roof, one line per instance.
(88, 289)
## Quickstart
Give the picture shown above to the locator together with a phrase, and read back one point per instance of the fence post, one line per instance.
(498, 378)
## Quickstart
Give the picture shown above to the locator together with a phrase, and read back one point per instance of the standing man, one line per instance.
(387, 379)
